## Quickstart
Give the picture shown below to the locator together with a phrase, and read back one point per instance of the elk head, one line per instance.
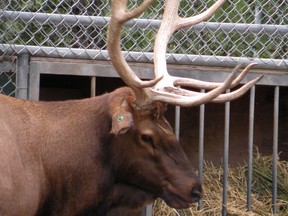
(180, 186)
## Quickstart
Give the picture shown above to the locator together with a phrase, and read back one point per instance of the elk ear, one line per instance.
(122, 119)
(121, 122)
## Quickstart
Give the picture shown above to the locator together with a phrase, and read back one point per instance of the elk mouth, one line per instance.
(178, 201)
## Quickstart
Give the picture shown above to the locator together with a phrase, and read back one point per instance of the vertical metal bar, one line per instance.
(147, 211)
(177, 127)
(275, 147)
(177, 122)
(226, 158)
(22, 76)
(257, 20)
(250, 146)
(93, 87)
(258, 15)
(34, 84)
(201, 145)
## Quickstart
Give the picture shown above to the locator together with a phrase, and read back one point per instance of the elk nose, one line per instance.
(196, 193)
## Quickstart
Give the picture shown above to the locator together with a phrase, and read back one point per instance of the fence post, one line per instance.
(93, 87)
(22, 76)
(177, 122)
(250, 147)
(201, 145)
(275, 148)
(226, 156)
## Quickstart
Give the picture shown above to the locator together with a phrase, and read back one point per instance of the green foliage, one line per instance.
(7, 83)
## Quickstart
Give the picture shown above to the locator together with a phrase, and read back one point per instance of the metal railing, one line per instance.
(76, 29)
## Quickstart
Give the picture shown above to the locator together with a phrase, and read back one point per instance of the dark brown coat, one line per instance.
(84, 157)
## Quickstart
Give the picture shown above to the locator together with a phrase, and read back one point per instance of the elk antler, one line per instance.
(164, 87)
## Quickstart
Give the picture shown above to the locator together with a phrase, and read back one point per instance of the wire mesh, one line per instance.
(202, 42)
(8, 76)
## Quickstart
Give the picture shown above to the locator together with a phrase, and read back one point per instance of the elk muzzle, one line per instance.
(183, 195)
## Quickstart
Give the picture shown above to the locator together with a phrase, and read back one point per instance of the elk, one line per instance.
(117, 150)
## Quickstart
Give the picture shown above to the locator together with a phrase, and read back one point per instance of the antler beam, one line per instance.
(118, 17)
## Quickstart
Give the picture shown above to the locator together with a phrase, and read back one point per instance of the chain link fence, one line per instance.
(240, 31)
(7, 76)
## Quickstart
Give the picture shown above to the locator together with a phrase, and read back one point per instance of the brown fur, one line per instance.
(82, 158)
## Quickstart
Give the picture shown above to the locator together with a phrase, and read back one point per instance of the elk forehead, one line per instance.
(155, 111)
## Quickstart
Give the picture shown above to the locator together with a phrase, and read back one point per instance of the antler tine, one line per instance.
(170, 23)
(179, 97)
(225, 96)
(192, 98)
(118, 17)
(237, 93)
(190, 21)
(194, 83)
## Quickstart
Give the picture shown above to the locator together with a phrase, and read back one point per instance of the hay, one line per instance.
(237, 191)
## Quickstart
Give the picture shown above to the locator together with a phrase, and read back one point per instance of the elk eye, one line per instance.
(147, 139)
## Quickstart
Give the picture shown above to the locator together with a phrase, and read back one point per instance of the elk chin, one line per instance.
(175, 199)
(177, 202)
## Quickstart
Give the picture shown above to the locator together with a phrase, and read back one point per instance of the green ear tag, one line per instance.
(120, 118)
